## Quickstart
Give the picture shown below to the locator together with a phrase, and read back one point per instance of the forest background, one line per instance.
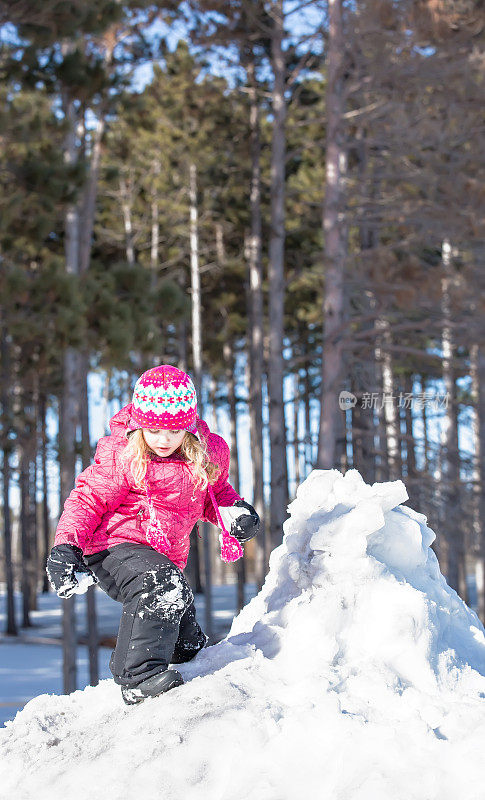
(284, 199)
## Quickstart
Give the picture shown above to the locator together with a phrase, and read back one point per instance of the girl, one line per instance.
(126, 525)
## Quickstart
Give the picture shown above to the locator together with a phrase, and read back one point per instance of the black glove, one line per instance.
(63, 562)
(246, 525)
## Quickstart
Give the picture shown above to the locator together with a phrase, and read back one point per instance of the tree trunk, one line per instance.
(87, 227)
(424, 420)
(24, 535)
(195, 284)
(93, 640)
(255, 314)
(197, 362)
(155, 233)
(78, 255)
(335, 240)
(79, 225)
(426, 486)
(182, 345)
(86, 454)
(68, 406)
(33, 445)
(11, 627)
(45, 490)
(106, 398)
(276, 286)
(364, 377)
(460, 512)
(477, 369)
(27, 454)
(155, 237)
(67, 457)
(363, 456)
(181, 329)
(424, 505)
(234, 468)
(88, 203)
(341, 443)
(296, 440)
(217, 565)
(437, 505)
(364, 385)
(449, 497)
(308, 427)
(126, 207)
(394, 465)
(412, 483)
(88, 216)
(92, 626)
(382, 465)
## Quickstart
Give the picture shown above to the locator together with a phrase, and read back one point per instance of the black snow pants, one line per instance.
(158, 624)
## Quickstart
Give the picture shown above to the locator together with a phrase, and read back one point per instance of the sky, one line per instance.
(303, 19)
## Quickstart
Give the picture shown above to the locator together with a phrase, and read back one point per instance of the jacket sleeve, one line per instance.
(99, 488)
(223, 491)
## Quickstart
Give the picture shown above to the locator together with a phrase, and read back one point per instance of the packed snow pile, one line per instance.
(355, 674)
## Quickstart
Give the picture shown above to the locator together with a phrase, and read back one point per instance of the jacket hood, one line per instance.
(119, 423)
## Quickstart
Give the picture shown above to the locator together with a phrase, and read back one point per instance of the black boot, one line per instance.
(191, 638)
(152, 687)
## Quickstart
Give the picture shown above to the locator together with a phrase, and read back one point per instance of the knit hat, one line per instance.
(164, 398)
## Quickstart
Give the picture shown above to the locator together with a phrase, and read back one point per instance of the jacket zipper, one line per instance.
(137, 516)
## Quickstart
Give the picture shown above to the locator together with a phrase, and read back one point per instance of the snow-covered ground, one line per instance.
(355, 674)
(27, 670)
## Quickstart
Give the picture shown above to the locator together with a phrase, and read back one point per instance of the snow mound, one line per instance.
(355, 674)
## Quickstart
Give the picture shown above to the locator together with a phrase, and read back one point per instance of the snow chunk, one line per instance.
(84, 581)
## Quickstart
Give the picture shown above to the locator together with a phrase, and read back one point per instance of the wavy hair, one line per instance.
(137, 453)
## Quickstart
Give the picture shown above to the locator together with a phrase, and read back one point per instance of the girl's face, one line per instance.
(163, 443)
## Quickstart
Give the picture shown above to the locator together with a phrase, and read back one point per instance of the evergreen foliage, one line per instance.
(102, 116)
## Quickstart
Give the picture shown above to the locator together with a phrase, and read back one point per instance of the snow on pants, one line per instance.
(158, 624)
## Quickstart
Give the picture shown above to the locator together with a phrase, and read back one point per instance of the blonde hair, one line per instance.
(137, 453)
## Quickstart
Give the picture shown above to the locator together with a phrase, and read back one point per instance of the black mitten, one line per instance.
(247, 525)
(63, 563)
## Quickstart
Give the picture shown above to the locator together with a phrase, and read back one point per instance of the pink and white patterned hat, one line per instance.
(164, 398)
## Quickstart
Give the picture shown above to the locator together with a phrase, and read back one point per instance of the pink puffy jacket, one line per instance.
(105, 508)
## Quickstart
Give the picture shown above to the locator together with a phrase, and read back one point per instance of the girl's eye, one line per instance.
(155, 432)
